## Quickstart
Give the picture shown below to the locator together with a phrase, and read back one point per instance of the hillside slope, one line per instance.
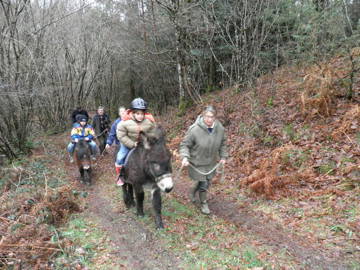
(294, 143)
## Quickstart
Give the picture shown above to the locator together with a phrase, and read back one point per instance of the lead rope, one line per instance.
(202, 173)
(206, 173)
(101, 133)
(177, 175)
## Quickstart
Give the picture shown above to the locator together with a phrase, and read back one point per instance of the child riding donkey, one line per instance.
(128, 131)
(82, 131)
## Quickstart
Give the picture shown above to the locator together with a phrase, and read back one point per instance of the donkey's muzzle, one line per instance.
(86, 167)
(165, 182)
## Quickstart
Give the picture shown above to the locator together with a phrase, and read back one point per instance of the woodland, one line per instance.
(284, 76)
(55, 55)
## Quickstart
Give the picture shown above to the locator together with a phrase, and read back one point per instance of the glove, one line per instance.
(107, 146)
(185, 162)
(76, 140)
(87, 139)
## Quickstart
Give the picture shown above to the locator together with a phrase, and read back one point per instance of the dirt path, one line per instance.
(270, 233)
(138, 248)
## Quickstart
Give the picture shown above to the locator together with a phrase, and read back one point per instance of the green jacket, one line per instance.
(202, 147)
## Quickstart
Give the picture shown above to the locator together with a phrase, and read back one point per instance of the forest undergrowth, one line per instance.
(294, 145)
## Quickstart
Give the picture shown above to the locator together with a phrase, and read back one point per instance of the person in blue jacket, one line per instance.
(112, 134)
(82, 130)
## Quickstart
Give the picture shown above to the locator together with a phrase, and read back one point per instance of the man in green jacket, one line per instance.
(203, 147)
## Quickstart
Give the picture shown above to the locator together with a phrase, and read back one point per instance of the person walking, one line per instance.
(112, 134)
(101, 124)
(203, 147)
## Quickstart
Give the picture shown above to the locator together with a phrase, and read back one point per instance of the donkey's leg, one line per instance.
(139, 194)
(81, 170)
(87, 176)
(156, 202)
(131, 195)
(127, 196)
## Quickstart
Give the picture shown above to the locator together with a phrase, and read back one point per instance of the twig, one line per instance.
(351, 141)
(57, 235)
(46, 187)
(13, 245)
(5, 219)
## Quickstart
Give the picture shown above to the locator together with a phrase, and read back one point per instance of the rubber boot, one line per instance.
(204, 206)
(119, 179)
(193, 190)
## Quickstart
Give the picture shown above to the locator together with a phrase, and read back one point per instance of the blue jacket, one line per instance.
(112, 134)
(79, 132)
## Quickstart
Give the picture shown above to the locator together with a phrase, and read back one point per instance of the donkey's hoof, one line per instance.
(159, 226)
(128, 206)
(140, 214)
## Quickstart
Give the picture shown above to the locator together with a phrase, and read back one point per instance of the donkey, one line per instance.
(148, 164)
(82, 155)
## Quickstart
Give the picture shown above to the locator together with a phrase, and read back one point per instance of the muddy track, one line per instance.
(270, 232)
(136, 247)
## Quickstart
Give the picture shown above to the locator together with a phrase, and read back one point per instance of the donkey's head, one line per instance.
(82, 155)
(158, 158)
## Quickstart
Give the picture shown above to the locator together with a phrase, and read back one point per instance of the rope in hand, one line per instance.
(203, 173)
(101, 133)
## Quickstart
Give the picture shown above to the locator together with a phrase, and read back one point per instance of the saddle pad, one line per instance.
(127, 156)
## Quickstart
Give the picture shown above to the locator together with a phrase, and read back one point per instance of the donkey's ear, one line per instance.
(144, 140)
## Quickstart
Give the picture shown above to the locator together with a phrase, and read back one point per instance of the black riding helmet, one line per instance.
(81, 118)
(138, 104)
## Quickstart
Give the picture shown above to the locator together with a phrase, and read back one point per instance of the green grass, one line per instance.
(327, 168)
(358, 138)
(355, 265)
(295, 158)
(203, 242)
(85, 239)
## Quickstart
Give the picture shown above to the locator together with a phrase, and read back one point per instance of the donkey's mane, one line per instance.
(157, 134)
(82, 149)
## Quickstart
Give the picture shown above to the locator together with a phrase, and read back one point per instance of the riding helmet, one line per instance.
(138, 104)
(81, 118)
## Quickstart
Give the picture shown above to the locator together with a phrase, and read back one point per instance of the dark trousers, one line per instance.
(102, 142)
